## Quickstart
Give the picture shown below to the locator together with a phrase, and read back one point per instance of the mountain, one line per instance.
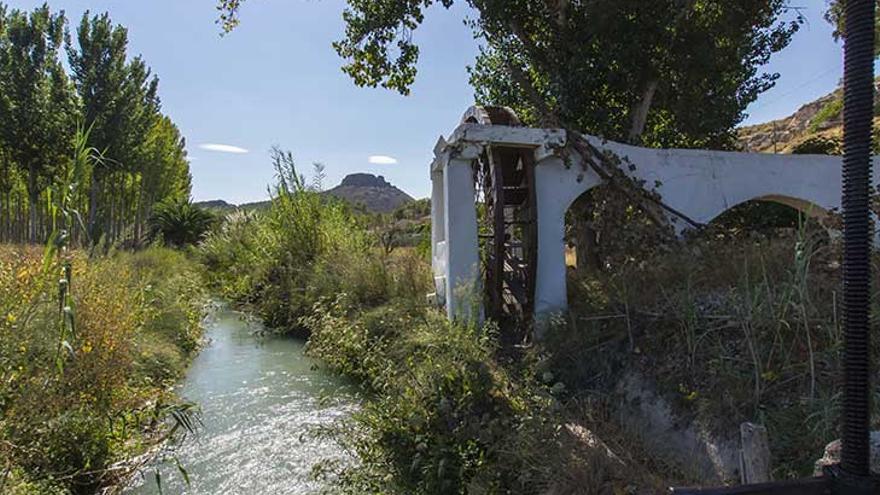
(221, 206)
(373, 193)
(216, 205)
(822, 118)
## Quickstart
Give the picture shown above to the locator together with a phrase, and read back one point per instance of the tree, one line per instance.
(679, 71)
(165, 176)
(120, 100)
(143, 155)
(37, 105)
(658, 73)
(835, 16)
(180, 223)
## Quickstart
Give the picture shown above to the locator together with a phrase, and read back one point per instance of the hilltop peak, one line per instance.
(365, 180)
(372, 192)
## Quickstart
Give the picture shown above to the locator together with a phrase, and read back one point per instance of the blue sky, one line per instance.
(277, 80)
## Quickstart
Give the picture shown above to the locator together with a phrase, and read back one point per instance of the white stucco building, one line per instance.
(697, 183)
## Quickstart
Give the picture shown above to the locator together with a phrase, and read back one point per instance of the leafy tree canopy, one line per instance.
(836, 17)
(112, 95)
(660, 72)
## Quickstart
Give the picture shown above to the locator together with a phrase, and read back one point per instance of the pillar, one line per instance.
(463, 289)
(438, 233)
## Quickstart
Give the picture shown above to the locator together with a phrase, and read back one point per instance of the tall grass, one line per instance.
(137, 319)
(444, 415)
(730, 331)
(88, 349)
(444, 412)
(304, 248)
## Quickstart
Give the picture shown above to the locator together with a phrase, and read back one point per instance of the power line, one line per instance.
(818, 77)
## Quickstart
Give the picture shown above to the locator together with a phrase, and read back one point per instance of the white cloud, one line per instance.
(382, 160)
(223, 148)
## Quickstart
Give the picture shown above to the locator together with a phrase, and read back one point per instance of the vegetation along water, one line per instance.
(328, 368)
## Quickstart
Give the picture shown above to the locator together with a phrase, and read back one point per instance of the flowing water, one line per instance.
(261, 399)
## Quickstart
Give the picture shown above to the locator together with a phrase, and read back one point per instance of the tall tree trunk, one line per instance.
(18, 219)
(91, 225)
(639, 113)
(5, 210)
(34, 198)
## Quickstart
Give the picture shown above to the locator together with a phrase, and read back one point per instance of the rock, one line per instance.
(832, 455)
(364, 180)
(589, 439)
(371, 192)
(700, 454)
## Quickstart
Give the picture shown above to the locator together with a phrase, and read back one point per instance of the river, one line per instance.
(261, 398)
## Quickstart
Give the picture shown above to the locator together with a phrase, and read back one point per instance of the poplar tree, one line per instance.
(119, 99)
(113, 96)
(37, 106)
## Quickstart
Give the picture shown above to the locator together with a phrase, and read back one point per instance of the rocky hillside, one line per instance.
(822, 118)
(221, 206)
(373, 193)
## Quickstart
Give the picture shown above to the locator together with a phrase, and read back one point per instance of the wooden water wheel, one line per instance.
(505, 197)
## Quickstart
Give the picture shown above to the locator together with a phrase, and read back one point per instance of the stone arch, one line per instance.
(807, 208)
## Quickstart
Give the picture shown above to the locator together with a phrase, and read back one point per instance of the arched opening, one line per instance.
(771, 216)
(606, 230)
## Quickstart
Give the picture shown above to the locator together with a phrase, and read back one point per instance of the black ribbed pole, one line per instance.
(857, 119)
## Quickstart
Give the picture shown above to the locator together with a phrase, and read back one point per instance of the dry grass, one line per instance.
(730, 331)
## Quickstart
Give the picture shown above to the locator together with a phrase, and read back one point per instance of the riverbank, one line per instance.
(447, 409)
(717, 330)
(84, 379)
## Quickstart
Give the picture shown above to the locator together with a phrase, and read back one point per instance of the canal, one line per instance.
(261, 399)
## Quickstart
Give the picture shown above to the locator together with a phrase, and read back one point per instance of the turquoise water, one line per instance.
(261, 399)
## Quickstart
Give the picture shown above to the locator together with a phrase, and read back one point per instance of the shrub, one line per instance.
(443, 416)
(831, 110)
(303, 248)
(71, 403)
(731, 332)
(818, 145)
(179, 223)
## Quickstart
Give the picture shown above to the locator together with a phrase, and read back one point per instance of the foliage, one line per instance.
(443, 415)
(413, 210)
(818, 145)
(835, 16)
(137, 318)
(832, 109)
(660, 73)
(115, 97)
(303, 247)
(37, 101)
(180, 223)
(735, 331)
(681, 73)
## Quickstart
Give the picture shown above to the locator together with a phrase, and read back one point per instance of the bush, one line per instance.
(71, 403)
(180, 223)
(443, 415)
(303, 248)
(831, 110)
(732, 331)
